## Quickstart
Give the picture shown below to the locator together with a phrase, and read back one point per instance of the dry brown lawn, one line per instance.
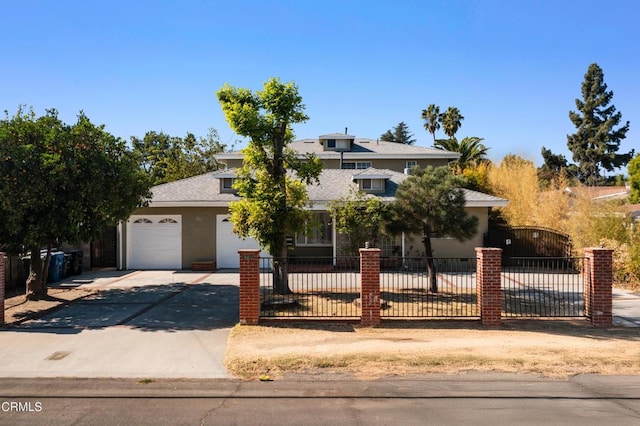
(548, 348)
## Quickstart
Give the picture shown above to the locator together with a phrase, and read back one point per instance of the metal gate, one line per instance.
(527, 242)
(104, 249)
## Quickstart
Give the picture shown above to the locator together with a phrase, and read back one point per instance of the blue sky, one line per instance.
(513, 68)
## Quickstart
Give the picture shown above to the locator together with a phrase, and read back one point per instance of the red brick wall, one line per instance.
(249, 286)
(598, 281)
(488, 283)
(3, 261)
(370, 286)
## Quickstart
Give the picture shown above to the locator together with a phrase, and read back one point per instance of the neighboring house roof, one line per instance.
(361, 148)
(205, 190)
(598, 193)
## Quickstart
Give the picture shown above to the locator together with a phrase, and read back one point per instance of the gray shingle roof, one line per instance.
(333, 184)
(362, 148)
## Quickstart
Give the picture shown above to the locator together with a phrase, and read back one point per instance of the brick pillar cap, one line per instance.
(603, 249)
(370, 250)
(249, 251)
(488, 249)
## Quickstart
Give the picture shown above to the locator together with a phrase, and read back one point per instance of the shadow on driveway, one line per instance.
(166, 307)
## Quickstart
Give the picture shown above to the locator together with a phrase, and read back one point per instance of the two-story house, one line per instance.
(187, 220)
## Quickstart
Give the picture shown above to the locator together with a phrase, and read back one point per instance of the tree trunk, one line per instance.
(281, 274)
(431, 268)
(37, 280)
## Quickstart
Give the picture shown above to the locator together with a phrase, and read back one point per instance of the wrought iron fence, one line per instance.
(543, 287)
(317, 288)
(405, 288)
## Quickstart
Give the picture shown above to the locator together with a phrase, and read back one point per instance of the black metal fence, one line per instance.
(405, 288)
(319, 288)
(543, 287)
(329, 288)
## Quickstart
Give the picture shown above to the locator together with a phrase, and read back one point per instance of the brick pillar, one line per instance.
(488, 282)
(598, 280)
(249, 286)
(3, 280)
(370, 286)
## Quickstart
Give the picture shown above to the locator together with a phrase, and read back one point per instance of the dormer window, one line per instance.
(336, 142)
(372, 184)
(227, 184)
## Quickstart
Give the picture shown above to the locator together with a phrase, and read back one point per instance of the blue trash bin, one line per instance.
(56, 267)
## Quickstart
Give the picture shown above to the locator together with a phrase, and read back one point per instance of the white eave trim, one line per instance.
(189, 204)
(486, 203)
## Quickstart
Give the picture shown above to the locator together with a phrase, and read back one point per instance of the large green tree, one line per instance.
(273, 200)
(399, 134)
(596, 143)
(431, 203)
(61, 183)
(472, 150)
(168, 158)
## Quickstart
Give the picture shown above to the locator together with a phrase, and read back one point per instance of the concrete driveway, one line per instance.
(141, 324)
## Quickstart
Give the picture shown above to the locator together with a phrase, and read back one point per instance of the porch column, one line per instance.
(370, 286)
(598, 282)
(249, 287)
(488, 283)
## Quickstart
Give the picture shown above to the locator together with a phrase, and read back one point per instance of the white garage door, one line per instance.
(154, 242)
(228, 244)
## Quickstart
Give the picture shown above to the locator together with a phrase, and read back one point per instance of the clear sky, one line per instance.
(513, 67)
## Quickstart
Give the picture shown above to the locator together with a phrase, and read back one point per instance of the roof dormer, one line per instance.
(337, 142)
(227, 178)
(371, 180)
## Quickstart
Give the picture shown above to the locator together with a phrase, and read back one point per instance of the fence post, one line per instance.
(3, 280)
(249, 287)
(488, 283)
(598, 281)
(370, 286)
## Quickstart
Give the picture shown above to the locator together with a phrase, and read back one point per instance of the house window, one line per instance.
(372, 184)
(168, 220)
(227, 184)
(356, 165)
(320, 235)
(411, 164)
(331, 143)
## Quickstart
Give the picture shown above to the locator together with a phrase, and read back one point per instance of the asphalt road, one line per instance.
(435, 400)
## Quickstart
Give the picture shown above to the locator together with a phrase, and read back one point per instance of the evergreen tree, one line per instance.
(431, 203)
(399, 134)
(596, 142)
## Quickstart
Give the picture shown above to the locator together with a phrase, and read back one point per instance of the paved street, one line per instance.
(478, 399)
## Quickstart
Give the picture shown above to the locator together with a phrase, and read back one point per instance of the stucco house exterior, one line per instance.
(187, 220)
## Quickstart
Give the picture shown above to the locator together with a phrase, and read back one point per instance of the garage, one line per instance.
(228, 244)
(154, 242)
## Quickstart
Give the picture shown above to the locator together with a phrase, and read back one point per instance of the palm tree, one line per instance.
(472, 150)
(432, 117)
(451, 121)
